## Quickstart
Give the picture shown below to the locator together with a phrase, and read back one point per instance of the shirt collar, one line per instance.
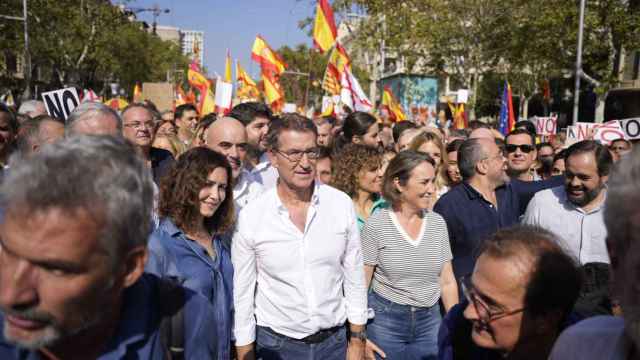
(242, 184)
(565, 199)
(470, 191)
(135, 321)
(315, 197)
(169, 227)
(263, 163)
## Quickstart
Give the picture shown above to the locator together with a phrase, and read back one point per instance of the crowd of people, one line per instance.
(165, 235)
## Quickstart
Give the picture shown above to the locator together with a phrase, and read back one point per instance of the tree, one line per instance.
(525, 40)
(89, 42)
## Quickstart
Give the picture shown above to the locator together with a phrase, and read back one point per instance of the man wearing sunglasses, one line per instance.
(521, 155)
(517, 301)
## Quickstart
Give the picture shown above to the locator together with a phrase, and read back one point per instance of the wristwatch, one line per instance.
(361, 335)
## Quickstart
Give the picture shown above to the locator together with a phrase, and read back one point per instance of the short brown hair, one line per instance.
(348, 163)
(288, 122)
(180, 188)
(400, 167)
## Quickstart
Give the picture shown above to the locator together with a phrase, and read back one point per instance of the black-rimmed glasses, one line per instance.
(486, 313)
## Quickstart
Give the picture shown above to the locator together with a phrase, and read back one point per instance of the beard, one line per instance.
(588, 195)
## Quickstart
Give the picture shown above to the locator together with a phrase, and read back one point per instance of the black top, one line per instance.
(161, 161)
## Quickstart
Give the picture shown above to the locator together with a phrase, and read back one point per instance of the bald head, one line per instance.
(228, 137)
(482, 133)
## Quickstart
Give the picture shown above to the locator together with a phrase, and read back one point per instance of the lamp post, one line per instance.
(576, 93)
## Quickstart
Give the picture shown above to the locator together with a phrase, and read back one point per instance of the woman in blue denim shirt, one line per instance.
(196, 211)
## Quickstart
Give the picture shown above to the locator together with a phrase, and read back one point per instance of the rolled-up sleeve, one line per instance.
(355, 288)
(243, 258)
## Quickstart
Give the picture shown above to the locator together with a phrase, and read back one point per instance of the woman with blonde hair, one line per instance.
(431, 144)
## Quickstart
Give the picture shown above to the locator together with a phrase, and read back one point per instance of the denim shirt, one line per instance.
(137, 334)
(471, 219)
(172, 254)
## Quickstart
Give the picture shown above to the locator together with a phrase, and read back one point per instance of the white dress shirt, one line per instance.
(583, 234)
(297, 283)
(264, 173)
(246, 190)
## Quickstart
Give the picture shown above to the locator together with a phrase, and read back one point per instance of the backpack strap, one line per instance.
(172, 302)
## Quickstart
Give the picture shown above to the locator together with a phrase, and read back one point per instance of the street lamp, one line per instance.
(576, 93)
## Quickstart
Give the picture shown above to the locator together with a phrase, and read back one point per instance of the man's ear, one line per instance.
(134, 263)
(481, 167)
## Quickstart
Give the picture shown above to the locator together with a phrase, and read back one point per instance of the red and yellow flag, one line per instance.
(324, 27)
(247, 88)
(338, 62)
(207, 102)
(117, 103)
(137, 93)
(266, 57)
(273, 93)
(392, 105)
(459, 116)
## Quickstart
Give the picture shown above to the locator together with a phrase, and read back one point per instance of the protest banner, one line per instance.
(604, 133)
(60, 103)
(546, 125)
(631, 128)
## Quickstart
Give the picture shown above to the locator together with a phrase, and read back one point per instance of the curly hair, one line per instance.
(348, 163)
(179, 191)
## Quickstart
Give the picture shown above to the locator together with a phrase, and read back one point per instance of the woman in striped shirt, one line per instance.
(407, 260)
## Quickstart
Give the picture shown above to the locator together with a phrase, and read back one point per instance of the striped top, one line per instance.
(407, 271)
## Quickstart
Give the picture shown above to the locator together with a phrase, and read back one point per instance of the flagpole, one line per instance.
(576, 93)
(306, 91)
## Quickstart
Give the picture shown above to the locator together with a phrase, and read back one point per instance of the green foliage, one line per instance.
(88, 42)
(524, 41)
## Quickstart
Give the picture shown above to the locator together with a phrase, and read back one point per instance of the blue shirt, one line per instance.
(137, 334)
(171, 253)
(454, 336)
(470, 218)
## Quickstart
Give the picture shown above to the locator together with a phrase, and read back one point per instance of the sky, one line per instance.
(233, 25)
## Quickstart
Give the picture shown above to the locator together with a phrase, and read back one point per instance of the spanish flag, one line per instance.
(207, 102)
(227, 68)
(196, 78)
(137, 93)
(338, 62)
(266, 57)
(390, 103)
(273, 93)
(117, 103)
(324, 27)
(459, 116)
(247, 88)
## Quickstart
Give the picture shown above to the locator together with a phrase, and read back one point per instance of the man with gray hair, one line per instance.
(73, 234)
(32, 108)
(614, 337)
(94, 118)
(484, 202)
(37, 132)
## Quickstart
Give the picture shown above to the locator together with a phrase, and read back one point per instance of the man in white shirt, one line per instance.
(256, 118)
(298, 267)
(609, 337)
(228, 137)
(575, 213)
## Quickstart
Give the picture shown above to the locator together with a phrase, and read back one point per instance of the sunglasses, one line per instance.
(524, 148)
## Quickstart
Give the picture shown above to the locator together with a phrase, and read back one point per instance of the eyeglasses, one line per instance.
(484, 311)
(296, 155)
(139, 125)
(524, 148)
